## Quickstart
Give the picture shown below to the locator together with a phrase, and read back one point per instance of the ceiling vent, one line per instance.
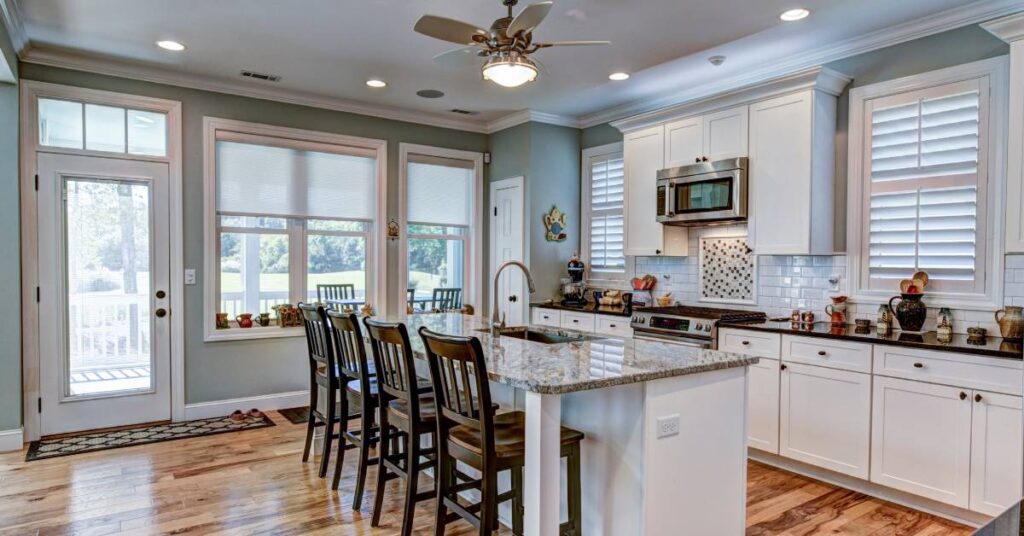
(463, 112)
(261, 76)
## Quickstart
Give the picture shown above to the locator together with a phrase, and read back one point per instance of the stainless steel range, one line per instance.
(681, 324)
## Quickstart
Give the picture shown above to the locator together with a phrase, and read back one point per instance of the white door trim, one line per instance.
(511, 182)
(30, 92)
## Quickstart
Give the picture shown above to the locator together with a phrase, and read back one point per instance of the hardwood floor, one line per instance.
(252, 482)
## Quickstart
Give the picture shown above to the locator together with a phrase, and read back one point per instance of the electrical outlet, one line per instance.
(190, 276)
(833, 282)
(668, 426)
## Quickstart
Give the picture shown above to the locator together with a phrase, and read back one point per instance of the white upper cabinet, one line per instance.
(791, 174)
(710, 137)
(644, 156)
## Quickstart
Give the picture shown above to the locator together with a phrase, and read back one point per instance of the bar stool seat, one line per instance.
(428, 410)
(423, 386)
(509, 437)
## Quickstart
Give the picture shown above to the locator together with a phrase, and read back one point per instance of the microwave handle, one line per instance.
(670, 198)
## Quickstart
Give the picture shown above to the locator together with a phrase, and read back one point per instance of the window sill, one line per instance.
(246, 334)
(933, 301)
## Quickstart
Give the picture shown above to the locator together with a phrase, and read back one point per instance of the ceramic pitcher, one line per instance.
(1011, 322)
(837, 310)
(911, 311)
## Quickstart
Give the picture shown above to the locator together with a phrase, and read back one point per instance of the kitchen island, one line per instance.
(665, 449)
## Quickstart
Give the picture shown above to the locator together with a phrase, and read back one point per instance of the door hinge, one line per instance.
(37, 294)
(40, 402)
(495, 211)
(37, 182)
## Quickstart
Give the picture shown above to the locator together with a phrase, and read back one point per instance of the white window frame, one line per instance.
(474, 276)
(598, 277)
(992, 154)
(376, 253)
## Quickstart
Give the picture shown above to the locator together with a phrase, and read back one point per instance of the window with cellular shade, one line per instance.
(439, 190)
(925, 197)
(607, 186)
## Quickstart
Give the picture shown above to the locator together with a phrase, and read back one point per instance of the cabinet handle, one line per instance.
(745, 343)
(697, 160)
(963, 395)
(782, 367)
(822, 353)
(977, 398)
(703, 159)
(918, 365)
(657, 252)
(612, 325)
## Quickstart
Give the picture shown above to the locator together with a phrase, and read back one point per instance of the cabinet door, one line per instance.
(643, 153)
(996, 452)
(684, 142)
(725, 134)
(763, 406)
(780, 175)
(546, 317)
(921, 439)
(825, 418)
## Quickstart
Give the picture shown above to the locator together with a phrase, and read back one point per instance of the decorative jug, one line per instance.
(911, 311)
(1011, 322)
(244, 320)
(837, 309)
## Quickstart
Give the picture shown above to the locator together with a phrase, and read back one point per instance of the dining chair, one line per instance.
(339, 291)
(446, 299)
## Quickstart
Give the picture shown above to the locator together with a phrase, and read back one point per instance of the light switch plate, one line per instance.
(668, 426)
(190, 276)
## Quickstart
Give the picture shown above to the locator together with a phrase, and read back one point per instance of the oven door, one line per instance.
(708, 197)
(672, 339)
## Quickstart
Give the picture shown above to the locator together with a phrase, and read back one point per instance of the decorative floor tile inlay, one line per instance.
(727, 270)
(94, 441)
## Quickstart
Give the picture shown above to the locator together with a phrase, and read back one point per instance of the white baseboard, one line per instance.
(220, 408)
(11, 440)
(960, 515)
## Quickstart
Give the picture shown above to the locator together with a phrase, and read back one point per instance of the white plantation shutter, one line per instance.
(607, 188)
(925, 198)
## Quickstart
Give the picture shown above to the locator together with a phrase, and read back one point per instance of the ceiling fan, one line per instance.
(507, 46)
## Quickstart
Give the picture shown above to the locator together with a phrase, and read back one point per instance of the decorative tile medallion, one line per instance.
(728, 270)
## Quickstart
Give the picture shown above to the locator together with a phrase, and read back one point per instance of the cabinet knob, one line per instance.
(822, 353)
(977, 398)
(963, 395)
(697, 160)
(612, 325)
(657, 252)
(703, 159)
(782, 367)
(745, 343)
(918, 365)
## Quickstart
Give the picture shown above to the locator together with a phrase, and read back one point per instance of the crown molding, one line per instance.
(957, 17)
(526, 116)
(159, 75)
(11, 14)
(819, 78)
(1008, 29)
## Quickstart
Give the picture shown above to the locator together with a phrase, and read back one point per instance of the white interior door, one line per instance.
(508, 242)
(104, 333)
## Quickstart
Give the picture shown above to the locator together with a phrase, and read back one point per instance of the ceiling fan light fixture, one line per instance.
(510, 70)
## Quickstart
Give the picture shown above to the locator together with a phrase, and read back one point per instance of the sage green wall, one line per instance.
(222, 370)
(10, 265)
(598, 135)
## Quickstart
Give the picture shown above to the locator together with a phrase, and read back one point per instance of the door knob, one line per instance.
(513, 298)
(161, 312)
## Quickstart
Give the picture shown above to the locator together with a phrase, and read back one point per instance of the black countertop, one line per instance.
(992, 346)
(590, 307)
(1009, 523)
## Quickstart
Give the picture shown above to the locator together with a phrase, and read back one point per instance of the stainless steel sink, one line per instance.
(542, 336)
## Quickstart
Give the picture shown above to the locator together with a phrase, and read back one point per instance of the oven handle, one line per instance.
(670, 339)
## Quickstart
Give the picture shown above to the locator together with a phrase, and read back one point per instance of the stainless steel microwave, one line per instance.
(704, 193)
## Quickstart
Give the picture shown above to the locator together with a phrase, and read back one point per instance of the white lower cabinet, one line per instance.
(922, 439)
(615, 326)
(996, 446)
(763, 406)
(546, 317)
(825, 418)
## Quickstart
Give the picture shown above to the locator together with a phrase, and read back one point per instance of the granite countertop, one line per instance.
(575, 366)
(589, 307)
(1009, 523)
(991, 346)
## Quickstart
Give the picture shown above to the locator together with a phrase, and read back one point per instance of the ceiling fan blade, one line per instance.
(451, 30)
(571, 44)
(529, 18)
(461, 57)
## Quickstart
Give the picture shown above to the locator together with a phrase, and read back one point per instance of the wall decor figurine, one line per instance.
(393, 230)
(555, 222)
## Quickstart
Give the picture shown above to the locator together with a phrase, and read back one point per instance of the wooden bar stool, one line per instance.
(358, 377)
(484, 440)
(407, 412)
(323, 372)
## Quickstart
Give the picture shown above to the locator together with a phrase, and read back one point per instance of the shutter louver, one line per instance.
(924, 191)
(607, 188)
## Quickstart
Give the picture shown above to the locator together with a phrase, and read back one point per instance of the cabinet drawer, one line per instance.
(577, 321)
(827, 353)
(546, 317)
(617, 326)
(749, 342)
(948, 368)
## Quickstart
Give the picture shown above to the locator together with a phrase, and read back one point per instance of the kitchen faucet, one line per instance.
(496, 321)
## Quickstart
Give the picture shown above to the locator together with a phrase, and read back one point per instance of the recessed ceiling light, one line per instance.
(618, 76)
(373, 82)
(794, 14)
(430, 93)
(173, 46)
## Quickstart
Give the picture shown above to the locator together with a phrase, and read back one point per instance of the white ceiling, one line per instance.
(328, 48)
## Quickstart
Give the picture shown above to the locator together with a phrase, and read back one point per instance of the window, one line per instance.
(94, 127)
(923, 186)
(603, 214)
(293, 223)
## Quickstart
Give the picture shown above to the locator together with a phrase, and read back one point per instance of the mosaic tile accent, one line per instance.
(727, 270)
(91, 442)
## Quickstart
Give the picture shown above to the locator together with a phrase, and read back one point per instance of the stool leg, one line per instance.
(517, 501)
(575, 490)
(412, 450)
(382, 469)
(310, 429)
(325, 458)
(366, 424)
(342, 429)
(488, 497)
(444, 476)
